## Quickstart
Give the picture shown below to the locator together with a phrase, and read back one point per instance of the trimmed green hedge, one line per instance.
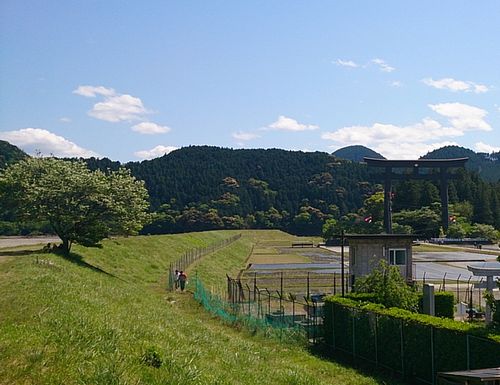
(416, 345)
(444, 304)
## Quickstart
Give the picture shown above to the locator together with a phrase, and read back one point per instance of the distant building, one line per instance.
(367, 250)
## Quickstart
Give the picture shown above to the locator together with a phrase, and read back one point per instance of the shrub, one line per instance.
(363, 297)
(417, 345)
(444, 304)
(389, 287)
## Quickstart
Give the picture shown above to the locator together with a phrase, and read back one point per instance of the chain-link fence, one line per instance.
(192, 255)
(413, 349)
(300, 283)
(277, 308)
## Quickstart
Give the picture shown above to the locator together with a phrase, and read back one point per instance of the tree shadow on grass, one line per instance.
(77, 259)
(18, 253)
(381, 375)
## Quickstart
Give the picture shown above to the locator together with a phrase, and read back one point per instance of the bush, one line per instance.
(444, 304)
(389, 287)
(362, 297)
(417, 345)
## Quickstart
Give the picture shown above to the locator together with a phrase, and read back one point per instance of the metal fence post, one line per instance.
(432, 355)
(468, 351)
(254, 285)
(281, 285)
(249, 297)
(402, 347)
(353, 316)
(308, 287)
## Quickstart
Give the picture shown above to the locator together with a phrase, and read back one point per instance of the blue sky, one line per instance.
(132, 80)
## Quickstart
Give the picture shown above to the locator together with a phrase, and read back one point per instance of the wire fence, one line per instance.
(192, 255)
(414, 350)
(277, 308)
(301, 283)
(259, 319)
(467, 290)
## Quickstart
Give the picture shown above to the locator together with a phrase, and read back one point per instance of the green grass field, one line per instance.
(91, 319)
(445, 248)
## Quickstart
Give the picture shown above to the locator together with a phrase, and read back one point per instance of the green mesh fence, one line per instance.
(250, 315)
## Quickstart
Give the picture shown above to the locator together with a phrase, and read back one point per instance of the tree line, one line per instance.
(202, 188)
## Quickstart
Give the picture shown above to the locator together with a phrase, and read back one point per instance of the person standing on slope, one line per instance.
(182, 280)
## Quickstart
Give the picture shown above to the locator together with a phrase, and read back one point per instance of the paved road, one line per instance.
(22, 241)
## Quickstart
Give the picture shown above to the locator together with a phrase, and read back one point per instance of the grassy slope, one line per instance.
(67, 322)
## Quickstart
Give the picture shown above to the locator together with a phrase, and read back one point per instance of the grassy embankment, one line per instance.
(427, 247)
(90, 321)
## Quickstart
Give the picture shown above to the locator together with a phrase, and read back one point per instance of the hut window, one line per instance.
(397, 256)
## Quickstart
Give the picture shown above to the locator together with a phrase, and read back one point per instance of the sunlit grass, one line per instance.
(91, 319)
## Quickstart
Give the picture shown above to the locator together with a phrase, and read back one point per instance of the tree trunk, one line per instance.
(66, 246)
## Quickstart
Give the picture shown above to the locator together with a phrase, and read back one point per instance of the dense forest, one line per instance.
(201, 187)
(9, 154)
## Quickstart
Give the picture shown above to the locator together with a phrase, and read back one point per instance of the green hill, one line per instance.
(197, 173)
(9, 154)
(356, 153)
(201, 188)
(486, 165)
(97, 318)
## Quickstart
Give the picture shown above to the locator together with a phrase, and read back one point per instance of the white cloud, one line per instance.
(346, 63)
(409, 150)
(241, 135)
(64, 119)
(119, 108)
(383, 65)
(480, 88)
(463, 116)
(456, 85)
(396, 83)
(155, 152)
(414, 140)
(483, 147)
(92, 91)
(33, 140)
(288, 124)
(115, 107)
(150, 128)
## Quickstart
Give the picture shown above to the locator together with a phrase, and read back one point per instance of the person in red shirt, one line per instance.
(182, 280)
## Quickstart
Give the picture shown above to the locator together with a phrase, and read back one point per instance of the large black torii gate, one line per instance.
(416, 165)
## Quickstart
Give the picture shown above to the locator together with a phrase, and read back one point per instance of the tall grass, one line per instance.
(103, 316)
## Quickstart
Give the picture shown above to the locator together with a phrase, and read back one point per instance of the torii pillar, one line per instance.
(415, 166)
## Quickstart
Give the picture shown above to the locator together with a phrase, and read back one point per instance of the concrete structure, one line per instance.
(367, 250)
(488, 270)
(428, 302)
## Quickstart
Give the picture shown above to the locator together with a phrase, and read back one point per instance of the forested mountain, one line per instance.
(356, 153)
(486, 165)
(9, 154)
(262, 178)
(202, 187)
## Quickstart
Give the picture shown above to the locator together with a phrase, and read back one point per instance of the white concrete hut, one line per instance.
(367, 250)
